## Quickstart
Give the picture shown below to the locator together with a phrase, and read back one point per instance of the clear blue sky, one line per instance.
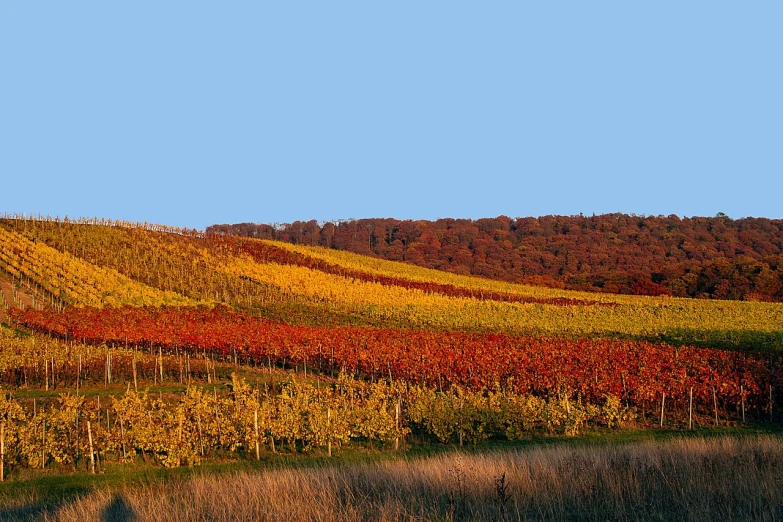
(193, 113)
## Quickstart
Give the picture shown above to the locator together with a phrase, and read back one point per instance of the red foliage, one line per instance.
(634, 370)
(695, 257)
(646, 287)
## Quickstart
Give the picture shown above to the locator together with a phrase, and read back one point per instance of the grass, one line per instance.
(33, 494)
(634, 477)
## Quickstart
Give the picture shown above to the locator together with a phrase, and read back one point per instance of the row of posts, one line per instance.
(714, 402)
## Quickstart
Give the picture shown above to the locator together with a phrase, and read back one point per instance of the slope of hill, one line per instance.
(67, 279)
(690, 257)
(275, 279)
(380, 350)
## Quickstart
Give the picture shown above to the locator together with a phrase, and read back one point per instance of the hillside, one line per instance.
(87, 265)
(716, 257)
(256, 346)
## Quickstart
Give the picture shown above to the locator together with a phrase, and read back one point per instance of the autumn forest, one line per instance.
(704, 257)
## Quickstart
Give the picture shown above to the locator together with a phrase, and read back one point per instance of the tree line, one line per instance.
(704, 257)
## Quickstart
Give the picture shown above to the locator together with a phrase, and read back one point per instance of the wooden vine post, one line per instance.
(43, 445)
(663, 402)
(2, 451)
(255, 423)
(122, 437)
(92, 453)
(200, 439)
(329, 431)
(217, 413)
(397, 424)
(715, 403)
(462, 431)
(135, 380)
(690, 409)
(742, 399)
(771, 403)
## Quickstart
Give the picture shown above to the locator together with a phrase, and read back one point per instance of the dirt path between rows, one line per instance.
(7, 291)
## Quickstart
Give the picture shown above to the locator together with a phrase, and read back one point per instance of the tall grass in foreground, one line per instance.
(683, 479)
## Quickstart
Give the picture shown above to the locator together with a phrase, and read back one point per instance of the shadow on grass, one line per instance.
(48, 503)
(118, 510)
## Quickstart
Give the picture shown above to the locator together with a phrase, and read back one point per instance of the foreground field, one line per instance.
(683, 479)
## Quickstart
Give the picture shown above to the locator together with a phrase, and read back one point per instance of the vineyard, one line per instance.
(262, 277)
(130, 341)
(69, 280)
(589, 368)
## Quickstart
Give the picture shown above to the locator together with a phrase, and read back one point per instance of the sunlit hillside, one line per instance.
(212, 346)
(97, 265)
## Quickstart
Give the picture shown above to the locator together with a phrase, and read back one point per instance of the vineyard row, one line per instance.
(265, 252)
(638, 372)
(74, 432)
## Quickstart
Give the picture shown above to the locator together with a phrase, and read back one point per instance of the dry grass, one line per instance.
(684, 479)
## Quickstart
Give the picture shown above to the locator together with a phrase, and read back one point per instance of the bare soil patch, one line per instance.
(7, 291)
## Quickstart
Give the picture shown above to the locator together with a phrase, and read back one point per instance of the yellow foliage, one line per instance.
(73, 280)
